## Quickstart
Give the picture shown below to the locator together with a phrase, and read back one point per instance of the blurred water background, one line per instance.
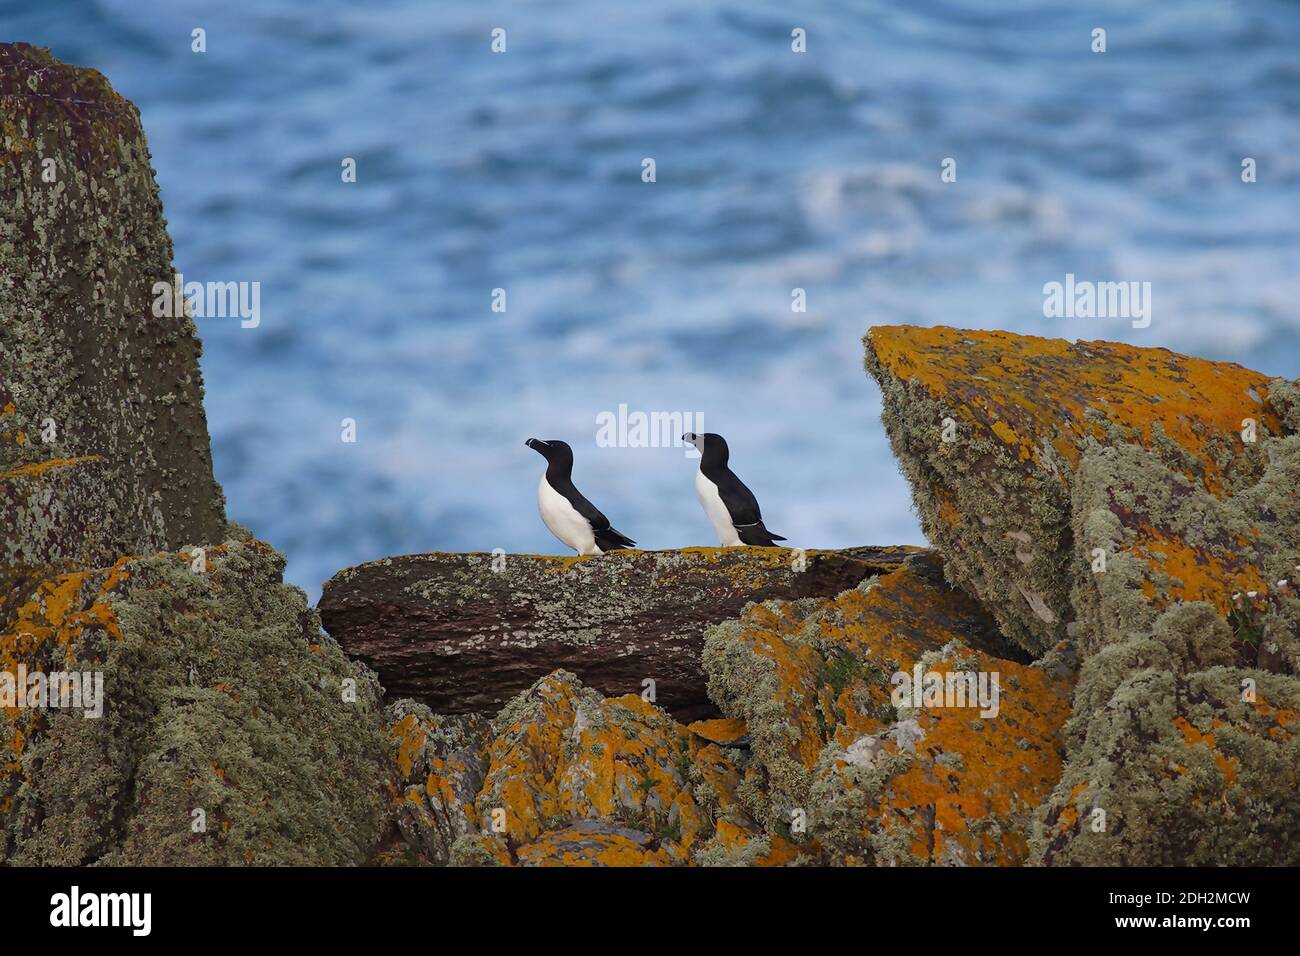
(775, 170)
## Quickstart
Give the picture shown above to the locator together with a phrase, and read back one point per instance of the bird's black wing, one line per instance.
(611, 540)
(739, 500)
(606, 536)
(743, 508)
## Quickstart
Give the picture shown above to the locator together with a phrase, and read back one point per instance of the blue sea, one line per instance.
(774, 170)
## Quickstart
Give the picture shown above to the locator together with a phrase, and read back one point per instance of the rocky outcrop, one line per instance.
(1101, 668)
(574, 779)
(440, 761)
(464, 632)
(164, 698)
(993, 429)
(860, 774)
(563, 755)
(1141, 505)
(103, 440)
(231, 731)
(1178, 769)
(816, 762)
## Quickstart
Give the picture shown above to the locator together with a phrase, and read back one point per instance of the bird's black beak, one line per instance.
(536, 444)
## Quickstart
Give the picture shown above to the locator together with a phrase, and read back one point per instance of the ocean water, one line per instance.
(775, 170)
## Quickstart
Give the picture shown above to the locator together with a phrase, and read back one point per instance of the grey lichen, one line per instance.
(233, 732)
(1180, 770)
(441, 762)
(93, 386)
(1014, 512)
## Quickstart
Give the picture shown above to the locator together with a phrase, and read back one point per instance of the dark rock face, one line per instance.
(465, 632)
(103, 440)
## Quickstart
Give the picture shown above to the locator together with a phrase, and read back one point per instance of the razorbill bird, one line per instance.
(731, 506)
(571, 518)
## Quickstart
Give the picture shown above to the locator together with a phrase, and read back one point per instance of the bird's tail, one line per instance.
(611, 540)
(757, 534)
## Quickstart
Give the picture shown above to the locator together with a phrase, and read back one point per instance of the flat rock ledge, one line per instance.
(464, 633)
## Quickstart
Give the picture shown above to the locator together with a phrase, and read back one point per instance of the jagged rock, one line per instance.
(1170, 653)
(1165, 541)
(232, 730)
(103, 440)
(592, 843)
(725, 776)
(1022, 413)
(1142, 503)
(574, 779)
(465, 632)
(1180, 770)
(441, 762)
(853, 775)
(562, 754)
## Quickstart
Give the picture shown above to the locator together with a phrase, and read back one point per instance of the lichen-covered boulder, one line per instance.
(562, 754)
(856, 773)
(1142, 504)
(726, 777)
(593, 843)
(1182, 744)
(53, 513)
(574, 779)
(103, 441)
(1180, 770)
(466, 632)
(230, 731)
(1147, 538)
(440, 761)
(991, 429)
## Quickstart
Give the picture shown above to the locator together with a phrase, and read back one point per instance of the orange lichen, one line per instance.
(410, 739)
(440, 785)
(948, 510)
(720, 731)
(956, 772)
(1283, 717)
(1008, 765)
(780, 853)
(575, 757)
(1199, 574)
(60, 611)
(1069, 815)
(1194, 736)
(1026, 389)
(40, 467)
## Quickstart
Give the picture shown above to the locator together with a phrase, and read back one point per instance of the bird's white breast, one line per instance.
(707, 492)
(564, 521)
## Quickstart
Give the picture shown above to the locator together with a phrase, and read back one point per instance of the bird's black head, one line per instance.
(712, 447)
(557, 453)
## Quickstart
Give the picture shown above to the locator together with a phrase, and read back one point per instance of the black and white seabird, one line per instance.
(731, 506)
(571, 517)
